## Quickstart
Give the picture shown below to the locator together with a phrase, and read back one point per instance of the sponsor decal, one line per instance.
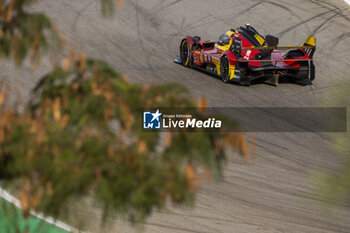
(247, 54)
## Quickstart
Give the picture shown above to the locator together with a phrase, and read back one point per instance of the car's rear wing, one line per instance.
(309, 46)
(278, 47)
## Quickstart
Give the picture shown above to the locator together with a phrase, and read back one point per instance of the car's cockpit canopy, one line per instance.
(224, 39)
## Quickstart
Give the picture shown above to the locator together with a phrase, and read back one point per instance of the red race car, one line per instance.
(242, 55)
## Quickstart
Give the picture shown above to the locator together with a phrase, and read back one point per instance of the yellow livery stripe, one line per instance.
(232, 72)
(260, 39)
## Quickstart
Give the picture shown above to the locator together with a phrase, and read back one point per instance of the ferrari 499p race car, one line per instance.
(242, 55)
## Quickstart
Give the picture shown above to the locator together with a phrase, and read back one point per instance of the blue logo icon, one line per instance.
(151, 120)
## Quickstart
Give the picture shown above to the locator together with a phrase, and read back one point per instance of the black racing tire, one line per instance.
(185, 54)
(306, 69)
(313, 71)
(303, 73)
(225, 70)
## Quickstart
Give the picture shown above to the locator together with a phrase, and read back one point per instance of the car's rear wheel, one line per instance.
(306, 73)
(225, 70)
(185, 54)
(312, 71)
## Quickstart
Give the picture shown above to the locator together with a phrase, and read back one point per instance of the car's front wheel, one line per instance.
(225, 70)
(185, 55)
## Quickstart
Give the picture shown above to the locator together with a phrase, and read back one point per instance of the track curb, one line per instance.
(11, 199)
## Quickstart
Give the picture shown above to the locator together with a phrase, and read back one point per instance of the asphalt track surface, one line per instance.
(272, 193)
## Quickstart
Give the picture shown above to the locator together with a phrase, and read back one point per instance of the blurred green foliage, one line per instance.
(81, 135)
(24, 34)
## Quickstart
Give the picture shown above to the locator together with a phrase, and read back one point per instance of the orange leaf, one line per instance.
(142, 147)
(110, 151)
(2, 98)
(64, 120)
(9, 12)
(120, 4)
(57, 109)
(192, 179)
(202, 104)
(82, 62)
(168, 139)
(125, 78)
(65, 64)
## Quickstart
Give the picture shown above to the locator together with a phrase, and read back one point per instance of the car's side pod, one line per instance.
(310, 42)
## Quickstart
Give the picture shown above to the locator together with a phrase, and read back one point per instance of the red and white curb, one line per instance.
(11, 199)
